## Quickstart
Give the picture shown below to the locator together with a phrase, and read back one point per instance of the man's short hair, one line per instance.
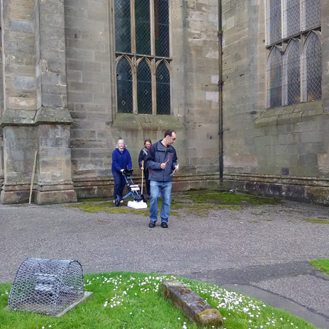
(147, 140)
(169, 132)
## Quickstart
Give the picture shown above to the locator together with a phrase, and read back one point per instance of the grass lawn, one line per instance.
(321, 264)
(134, 300)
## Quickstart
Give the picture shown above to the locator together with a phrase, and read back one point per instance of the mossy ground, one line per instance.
(198, 202)
(317, 221)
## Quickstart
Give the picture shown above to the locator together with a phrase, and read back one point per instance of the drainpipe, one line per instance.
(220, 93)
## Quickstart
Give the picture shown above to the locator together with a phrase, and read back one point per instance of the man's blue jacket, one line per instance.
(158, 154)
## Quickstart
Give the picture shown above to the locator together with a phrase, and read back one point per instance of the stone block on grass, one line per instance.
(191, 304)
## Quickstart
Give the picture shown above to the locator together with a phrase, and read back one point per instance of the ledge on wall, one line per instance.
(128, 121)
(54, 115)
(289, 114)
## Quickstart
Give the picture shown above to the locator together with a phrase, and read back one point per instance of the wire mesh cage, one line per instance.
(46, 286)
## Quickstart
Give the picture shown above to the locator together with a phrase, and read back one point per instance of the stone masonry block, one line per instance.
(194, 307)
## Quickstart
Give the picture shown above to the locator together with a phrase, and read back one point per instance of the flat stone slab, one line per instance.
(86, 295)
(191, 304)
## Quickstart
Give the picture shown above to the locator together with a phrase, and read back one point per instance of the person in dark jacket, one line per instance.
(142, 157)
(161, 161)
(121, 160)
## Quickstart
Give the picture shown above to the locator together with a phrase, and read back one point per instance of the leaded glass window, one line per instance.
(292, 70)
(144, 88)
(274, 20)
(122, 26)
(163, 89)
(124, 86)
(142, 39)
(161, 16)
(313, 67)
(294, 46)
(274, 72)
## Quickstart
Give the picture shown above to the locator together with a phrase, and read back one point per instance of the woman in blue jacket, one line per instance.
(121, 160)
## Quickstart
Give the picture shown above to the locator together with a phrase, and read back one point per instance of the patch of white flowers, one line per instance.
(231, 301)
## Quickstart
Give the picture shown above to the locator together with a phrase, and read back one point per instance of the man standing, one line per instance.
(161, 161)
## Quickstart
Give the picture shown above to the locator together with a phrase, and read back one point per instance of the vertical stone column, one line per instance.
(35, 115)
(19, 97)
(53, 119)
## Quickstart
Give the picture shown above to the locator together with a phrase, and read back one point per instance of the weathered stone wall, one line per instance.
(89, 92)
(1, 100)
(34, 89)
(59, 98)
(201, 85)
(281, 151)
(91, 96)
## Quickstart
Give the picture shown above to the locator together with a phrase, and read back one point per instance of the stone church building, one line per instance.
(243, 82)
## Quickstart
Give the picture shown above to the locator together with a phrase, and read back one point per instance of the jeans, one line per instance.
(119, 184)
(156, 189)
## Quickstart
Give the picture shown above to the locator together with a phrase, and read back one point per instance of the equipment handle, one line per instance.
(142, 176)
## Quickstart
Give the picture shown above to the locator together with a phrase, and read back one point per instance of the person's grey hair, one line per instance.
(121, 140)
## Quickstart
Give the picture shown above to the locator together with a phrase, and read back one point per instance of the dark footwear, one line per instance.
(151, 224)
(164, 225)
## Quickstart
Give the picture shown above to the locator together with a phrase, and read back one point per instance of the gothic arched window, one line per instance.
(163, 89)
(142, 42)
(144, 88)
(313, 67)
(274, 71)
(124, 86)
(294, 45)
(293, 72)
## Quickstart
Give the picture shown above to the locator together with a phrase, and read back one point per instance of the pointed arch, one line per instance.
(124, 86)
(274, 78)
(144, 88)
(313, 66)
(163, 89)
(292, 69)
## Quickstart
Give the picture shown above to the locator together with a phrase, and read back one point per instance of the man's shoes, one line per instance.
(164, 225)
(152, 224)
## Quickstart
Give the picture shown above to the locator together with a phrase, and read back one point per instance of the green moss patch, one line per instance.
(317, 221)
(198, 203)
(225, 198)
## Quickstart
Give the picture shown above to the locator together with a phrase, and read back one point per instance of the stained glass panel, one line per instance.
(274, 20)
(124, 87)
(312, 13)
(122, 26)
(161, 12)
(274, 72)
(144, 88)
(142, 15)
(313, 67)
(293, 73)
(163, 89)
(292, 18)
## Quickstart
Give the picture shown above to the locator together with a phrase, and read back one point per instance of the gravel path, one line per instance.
(261, 251)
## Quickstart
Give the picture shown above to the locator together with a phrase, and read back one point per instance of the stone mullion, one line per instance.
(133, 26)
(152, 25)
(154, 87)
(134, 75)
